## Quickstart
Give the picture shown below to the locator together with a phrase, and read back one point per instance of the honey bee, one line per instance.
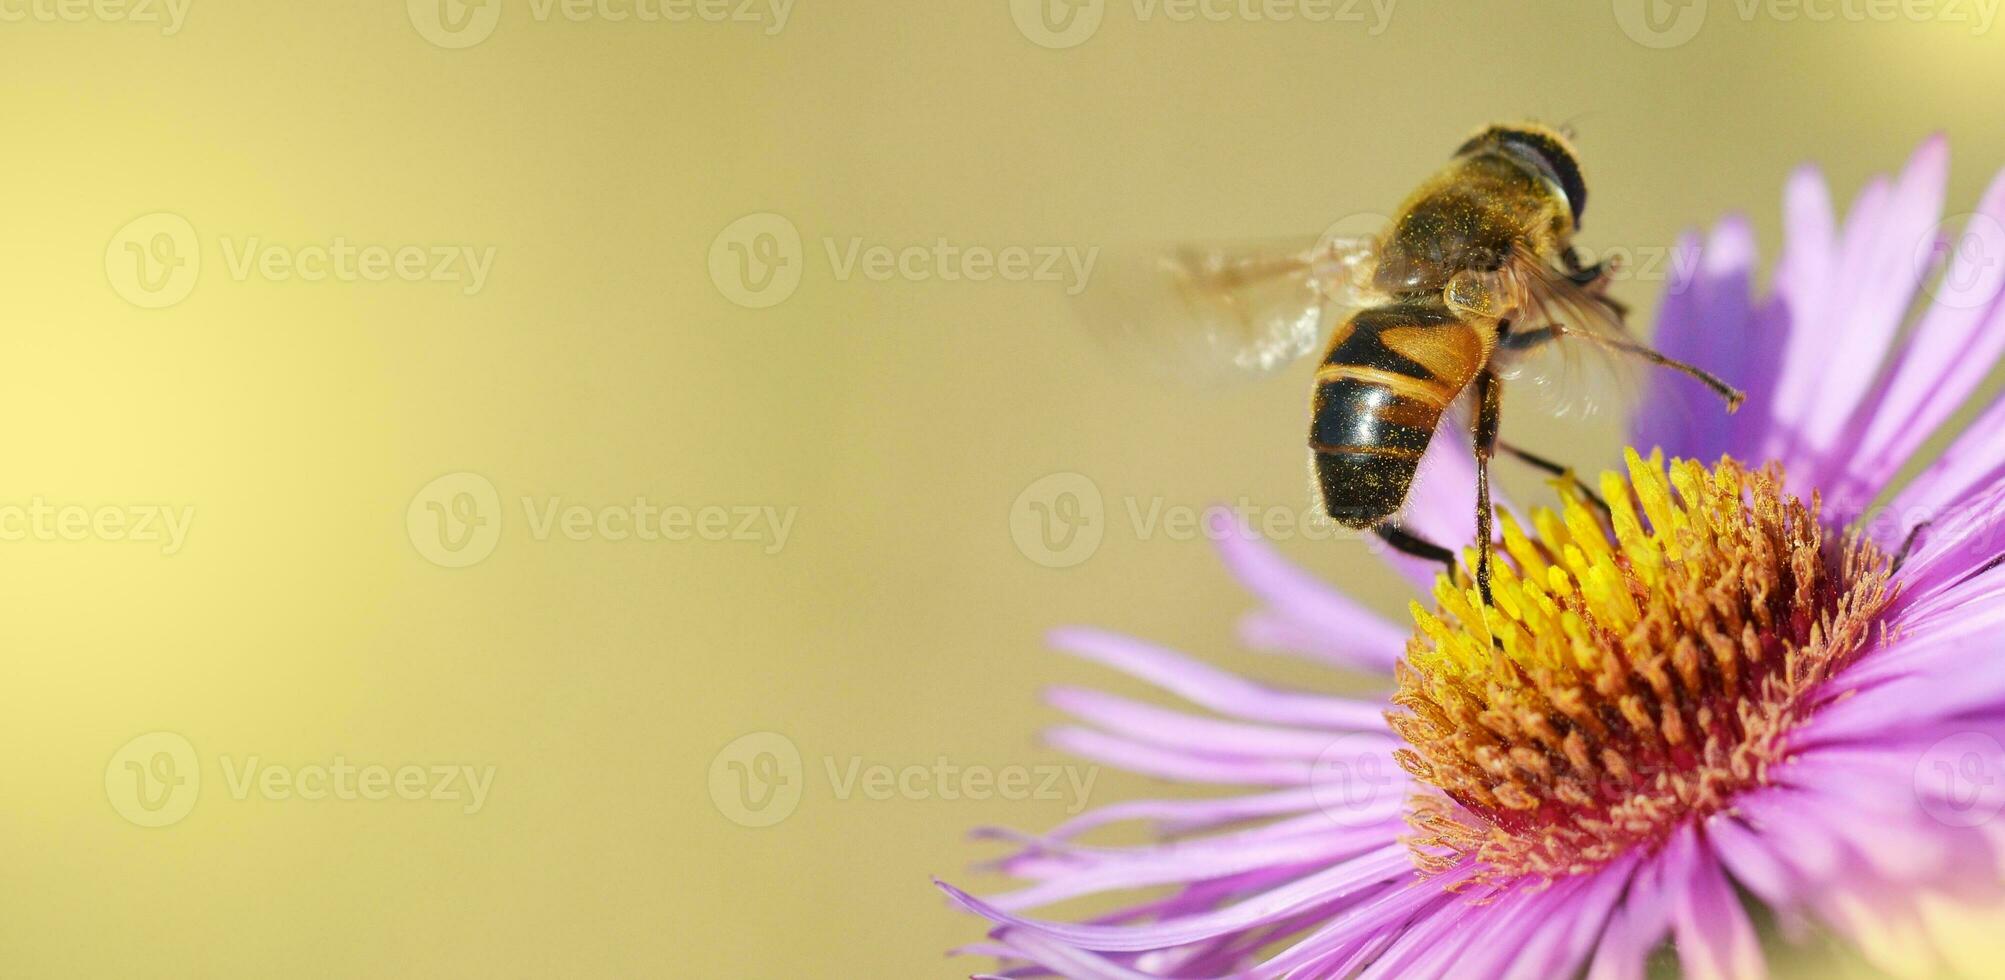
(1476, 268)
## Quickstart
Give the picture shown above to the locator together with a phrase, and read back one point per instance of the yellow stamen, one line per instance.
(1637, 670)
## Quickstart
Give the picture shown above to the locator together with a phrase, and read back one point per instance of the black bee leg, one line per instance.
(1545, 465)
(1620, 308)
(1588, 276)
(1593, 277)
(1518, 340)
(1734, 396)
(1996, 560)
(1418, 547)
(1489, 413)
(1585, 275)
(1907, 544)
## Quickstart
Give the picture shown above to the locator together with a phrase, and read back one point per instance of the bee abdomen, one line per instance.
(1384, 383)
(1368, 440)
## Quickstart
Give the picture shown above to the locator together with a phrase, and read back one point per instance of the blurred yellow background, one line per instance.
(502, 245)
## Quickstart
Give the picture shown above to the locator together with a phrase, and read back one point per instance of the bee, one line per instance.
(1476, 268)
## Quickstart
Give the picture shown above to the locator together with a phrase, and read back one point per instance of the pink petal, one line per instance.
(1974, 462)
(1188, 814)
(1503, 930)
(1810, 241)
(1715, 939)
(1561, 946)
(1421, 946)
(1952, 349)
(1321, 888)
(1877, 278)
(1174, 728)
(1209, 687)
(1803, 280)
(1176, 864)
(1151, 760)
(1638, 924)
(1749, 859)
(1066, 960)
(1370, 641)
(1351, 931)
(1707, 318)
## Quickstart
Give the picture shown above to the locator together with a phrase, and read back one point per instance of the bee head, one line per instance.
(1545, 150)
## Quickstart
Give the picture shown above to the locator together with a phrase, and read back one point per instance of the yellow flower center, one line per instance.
(1639, 668)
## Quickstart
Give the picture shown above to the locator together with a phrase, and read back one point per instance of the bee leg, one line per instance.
(1489, 412)
(1545, 465)
(1620, 308)
(1595, 278)
(1518, 340)
(1995, 561)
(1418, 547)
(1529, 339)
(1585, 275)
(1734, 396)
(1907, 544)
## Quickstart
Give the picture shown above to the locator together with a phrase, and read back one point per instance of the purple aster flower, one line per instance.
(1738, 680)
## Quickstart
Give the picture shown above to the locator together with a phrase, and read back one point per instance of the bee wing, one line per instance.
(1211, 313)
(1573, 375)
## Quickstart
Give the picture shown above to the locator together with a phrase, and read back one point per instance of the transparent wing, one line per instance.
(1213, 313)
(1574, 374)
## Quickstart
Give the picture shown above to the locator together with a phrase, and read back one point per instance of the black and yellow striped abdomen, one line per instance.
(1388, 375)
